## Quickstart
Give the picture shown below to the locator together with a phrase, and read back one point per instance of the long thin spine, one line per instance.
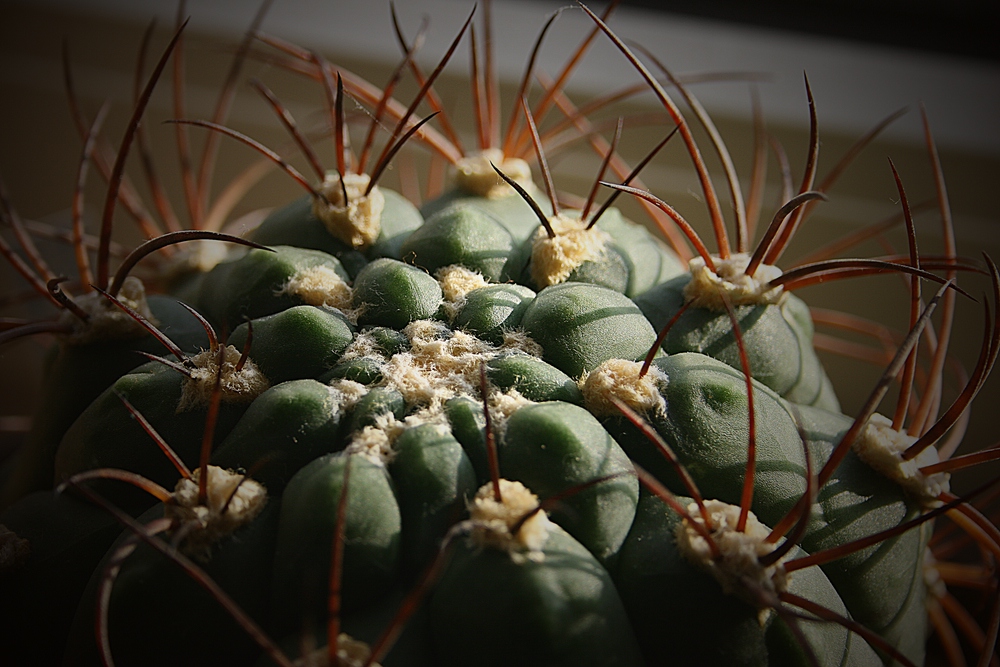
(119, 168)
(160, 199)
(808, 178)
(224, 103)
(711, 199)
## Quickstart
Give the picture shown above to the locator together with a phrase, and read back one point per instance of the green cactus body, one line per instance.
(301, 580)
(556, 606)
(778, 340)
(532, 378)
(510, 209)
(300, 342)
(882, 585)
(295, 224)
(713, 627)
(154, 602)
(265, 282)
(580, 325)
(264, 440)
(467, 235)
(106, 436)
(615, 253)
(75, 375)
(392, 294)
(553, 446)
(491, 311)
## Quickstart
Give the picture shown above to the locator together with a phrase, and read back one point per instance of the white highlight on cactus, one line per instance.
(476, 175)
(619, 378)
(738, 566)
(881, 447)
(492, 521)
(233, 500)
(730, 278)
(356, 222)
(554, 259)
(241, 386)
(108, 321)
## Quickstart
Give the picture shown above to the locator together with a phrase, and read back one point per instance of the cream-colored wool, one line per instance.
(241, 386)
(436, 369)
(108, 321)
(738, 567)
(321, 286)
(492, 522)
(554, 259)
(232, 501)
(456, 281)
(619, 378)
(729, 278)
(357, 223)
(881, 447)
(377, 443)
(476, 175)
(518, 339)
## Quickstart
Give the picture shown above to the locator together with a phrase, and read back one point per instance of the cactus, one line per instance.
(490, 428)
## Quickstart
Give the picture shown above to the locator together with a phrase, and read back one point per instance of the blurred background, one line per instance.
(863, 61)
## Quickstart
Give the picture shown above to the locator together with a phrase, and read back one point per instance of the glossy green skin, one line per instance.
(490, 311)
(394, 294)
(67, 538)
(579, 326)
(883, 585)
(363, 370)
(106, 435)
(512, 211)
(301, 579)
(301, 342)
(488, 609)
(463, 234)
(252, 286)
(74, 376)
(285, 428)
(295, 225)
(433, 478)
(468, 426)
(651, 261)
(706, 425)
(772, 334)
(377, 402)
(553, 447)
(634, 260)
(159, 616)
(532, 378)
(711, 627)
